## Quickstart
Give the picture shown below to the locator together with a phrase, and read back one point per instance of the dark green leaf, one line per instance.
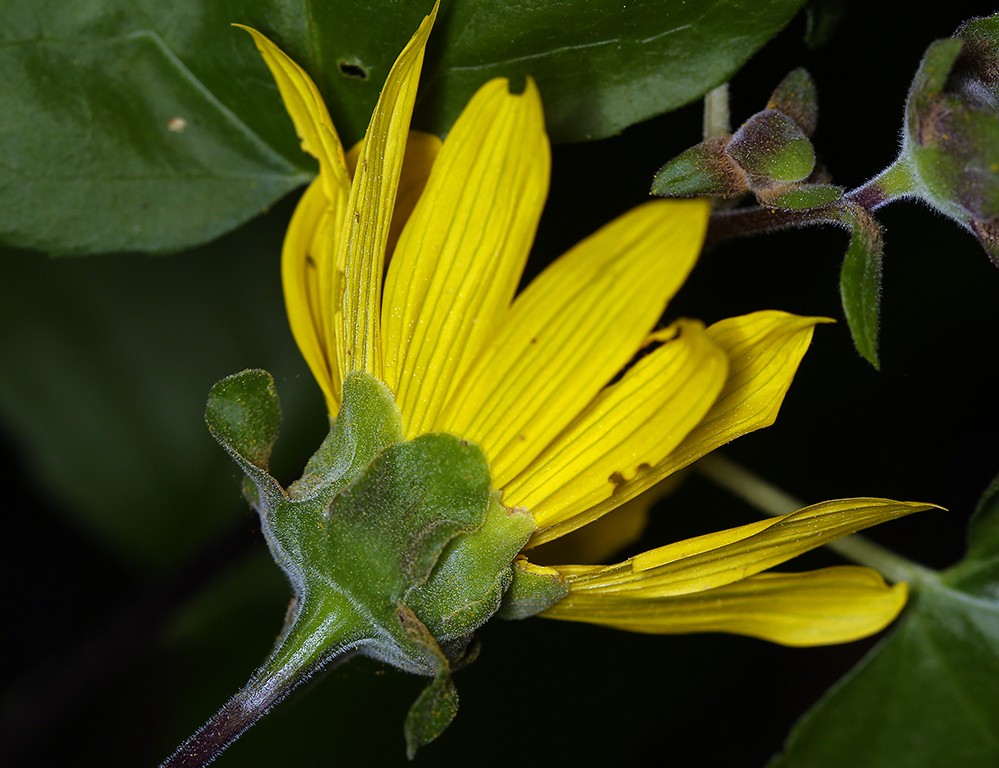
(979, 571)
(822, 17)
(113, 144)
(144, 126)
(860, 282)
(107, 366)
(601, 66)
(926, 696)
(983, 531)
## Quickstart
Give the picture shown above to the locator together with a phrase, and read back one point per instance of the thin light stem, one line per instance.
(716, 115)
(770, 500)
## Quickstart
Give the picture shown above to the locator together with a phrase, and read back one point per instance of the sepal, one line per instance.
(473, 574)
(797, 98)
(244, 415)
(535, 588)
(703, 170)
(772, 148)
(801, 197)
(769, 154)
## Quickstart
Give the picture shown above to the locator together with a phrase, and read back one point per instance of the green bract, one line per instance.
(397, 549)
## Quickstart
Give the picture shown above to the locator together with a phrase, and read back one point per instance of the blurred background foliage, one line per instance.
(140, 595)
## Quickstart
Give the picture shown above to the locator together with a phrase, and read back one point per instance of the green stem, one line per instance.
(303, 649)
(770, 500)
(895, 181)
(716, 116)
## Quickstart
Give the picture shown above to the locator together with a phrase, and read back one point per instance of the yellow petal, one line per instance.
(307, 244)
(764, 350)
(459, 260)
(308, 112)
(833, 605)
(421, 152)
(573, 328)
(362, 245)
(632, 424)
(711, 561)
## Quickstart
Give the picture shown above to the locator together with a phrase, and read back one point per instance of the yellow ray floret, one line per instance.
(361, 248)
(571, 330)
(675, 588)
(334, 254)
(832, 605)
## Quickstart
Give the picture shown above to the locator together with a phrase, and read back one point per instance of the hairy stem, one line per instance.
(895, 181)
(757, 220)
(280, 675)
(770, 500)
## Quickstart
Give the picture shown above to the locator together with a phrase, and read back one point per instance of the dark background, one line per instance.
(110, 662)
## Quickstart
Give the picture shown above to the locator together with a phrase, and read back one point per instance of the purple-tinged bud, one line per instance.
(773, 149)
(951, 138)
(704, 170)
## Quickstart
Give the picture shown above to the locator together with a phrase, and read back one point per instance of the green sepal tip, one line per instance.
(244, 415)
(797, 97)
(535, 588)
(802, 197)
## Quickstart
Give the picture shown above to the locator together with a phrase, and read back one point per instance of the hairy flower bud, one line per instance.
(951, 136)
(769, 155)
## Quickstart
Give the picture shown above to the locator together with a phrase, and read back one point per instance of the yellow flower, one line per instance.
(546, 381)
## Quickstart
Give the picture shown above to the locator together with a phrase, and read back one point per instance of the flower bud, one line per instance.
(769, 154)
(703, 170)
(772, 148)
(951, 138)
